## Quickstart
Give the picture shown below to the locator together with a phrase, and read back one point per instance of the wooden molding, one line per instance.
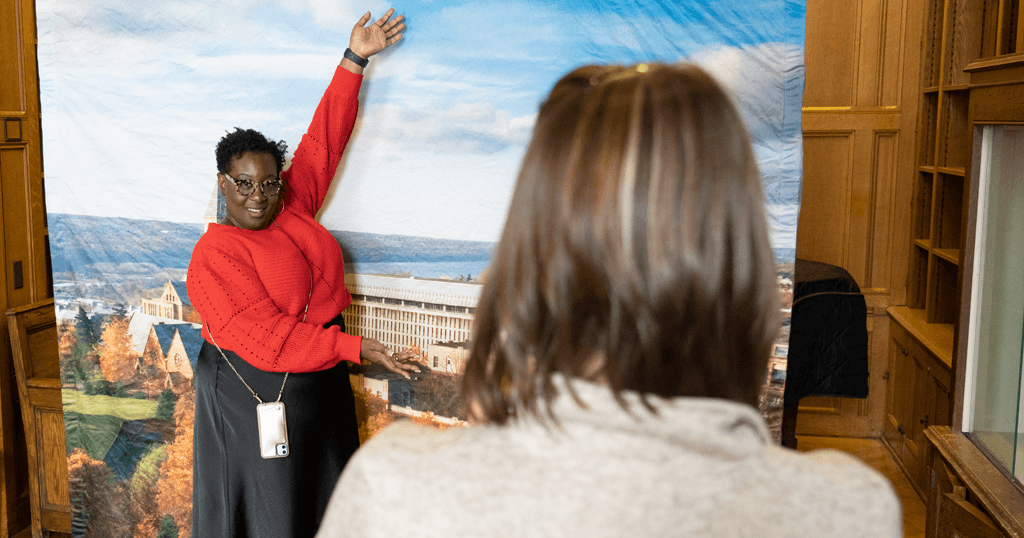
(999, 62)
(997, 494)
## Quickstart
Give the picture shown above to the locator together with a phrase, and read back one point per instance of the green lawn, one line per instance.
(127, 408)
(93, 433)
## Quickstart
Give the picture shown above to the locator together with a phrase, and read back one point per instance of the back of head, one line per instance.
(636, 251)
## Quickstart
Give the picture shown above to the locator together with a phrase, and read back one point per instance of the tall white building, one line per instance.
(404, 312)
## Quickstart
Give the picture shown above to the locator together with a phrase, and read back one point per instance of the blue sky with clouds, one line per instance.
(136, 94)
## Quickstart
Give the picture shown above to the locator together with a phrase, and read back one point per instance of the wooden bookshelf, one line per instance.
(956, 33)
(972, 74)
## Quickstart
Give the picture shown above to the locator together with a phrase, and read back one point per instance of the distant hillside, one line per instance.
(367, 248)
(97, 246)
(107, 248)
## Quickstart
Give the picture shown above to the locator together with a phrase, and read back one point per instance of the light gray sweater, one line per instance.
(699, 468)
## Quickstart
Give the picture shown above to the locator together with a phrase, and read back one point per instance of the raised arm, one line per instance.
(316, 159)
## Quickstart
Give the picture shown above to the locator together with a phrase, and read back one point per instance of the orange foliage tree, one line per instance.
(68, 338)
(194, 317)
(97, 499)
(117, 359)
(431, 421)
(143, 507)
(174, 489)
(372, 413)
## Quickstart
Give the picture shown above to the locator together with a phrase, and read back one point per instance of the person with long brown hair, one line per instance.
(620, 344)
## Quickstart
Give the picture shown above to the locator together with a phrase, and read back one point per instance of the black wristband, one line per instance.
(356, 59)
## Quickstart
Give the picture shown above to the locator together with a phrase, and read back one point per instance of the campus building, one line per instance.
(173, 303)
(404, 312)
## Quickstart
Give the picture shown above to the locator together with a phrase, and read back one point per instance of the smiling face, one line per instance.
(255, 211)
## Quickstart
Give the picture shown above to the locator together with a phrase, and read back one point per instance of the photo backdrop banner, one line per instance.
(135, 96)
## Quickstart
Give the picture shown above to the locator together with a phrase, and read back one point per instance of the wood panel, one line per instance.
(33, 330)
(969, 497)
(24, 271)
(826, 193)
(831, 63)
(860, 111)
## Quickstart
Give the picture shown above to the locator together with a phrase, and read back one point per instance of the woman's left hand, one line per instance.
(369, 40)
(372, 350)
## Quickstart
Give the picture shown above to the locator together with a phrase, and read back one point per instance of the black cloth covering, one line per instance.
(237, 493)
(828, 342)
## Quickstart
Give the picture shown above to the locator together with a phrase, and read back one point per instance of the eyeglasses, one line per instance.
(270, 187)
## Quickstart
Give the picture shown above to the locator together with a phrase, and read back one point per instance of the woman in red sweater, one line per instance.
(268, 281)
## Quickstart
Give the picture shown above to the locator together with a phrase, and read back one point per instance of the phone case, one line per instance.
(273, 430)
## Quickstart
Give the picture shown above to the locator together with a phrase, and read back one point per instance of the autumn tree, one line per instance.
(194, 317)
(430, 421)
(142, 507)
(372, 413)
(174, 490)
(71, 368)
(67, 338)
(97, 499)
(117, 359)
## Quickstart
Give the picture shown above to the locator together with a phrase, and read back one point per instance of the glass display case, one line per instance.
(995, 344)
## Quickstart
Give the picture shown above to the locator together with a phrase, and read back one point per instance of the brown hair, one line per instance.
(635, 252)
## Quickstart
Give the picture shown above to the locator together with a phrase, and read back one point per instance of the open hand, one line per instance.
(373, 351)
(369, 40)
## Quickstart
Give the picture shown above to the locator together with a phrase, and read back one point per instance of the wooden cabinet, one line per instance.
(918, 395)
(969, 496)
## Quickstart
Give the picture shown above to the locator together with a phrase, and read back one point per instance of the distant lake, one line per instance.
(435, 269)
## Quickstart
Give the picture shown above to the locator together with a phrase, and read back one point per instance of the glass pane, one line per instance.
(997, 324)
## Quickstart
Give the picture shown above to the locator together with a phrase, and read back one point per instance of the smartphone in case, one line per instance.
(273, 430)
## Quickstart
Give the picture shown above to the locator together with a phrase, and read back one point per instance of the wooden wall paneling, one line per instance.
(884, 170)
(824, 211)
(13, 166)
(33, 331)
(831, 64)
(891, 54)
(1019, 47)
(862, 60)
(23, 235)
(871, 53)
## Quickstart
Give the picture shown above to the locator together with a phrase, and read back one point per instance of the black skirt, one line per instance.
(237, 493)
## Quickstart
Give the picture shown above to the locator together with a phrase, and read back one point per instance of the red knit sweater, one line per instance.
(251, 286)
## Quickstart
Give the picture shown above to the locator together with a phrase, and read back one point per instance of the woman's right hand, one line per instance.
(373, 351)
(369, 40)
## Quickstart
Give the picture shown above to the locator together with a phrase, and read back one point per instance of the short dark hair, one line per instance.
(240, 141)
(636, 249)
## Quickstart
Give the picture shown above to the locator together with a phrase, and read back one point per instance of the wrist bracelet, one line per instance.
(356, 59)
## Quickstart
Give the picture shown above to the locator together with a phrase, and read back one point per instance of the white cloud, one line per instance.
(330, 13)
(462, 128)
(755, 75)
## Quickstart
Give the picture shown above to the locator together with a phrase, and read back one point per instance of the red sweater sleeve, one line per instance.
(227, 291)
(316, 159)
